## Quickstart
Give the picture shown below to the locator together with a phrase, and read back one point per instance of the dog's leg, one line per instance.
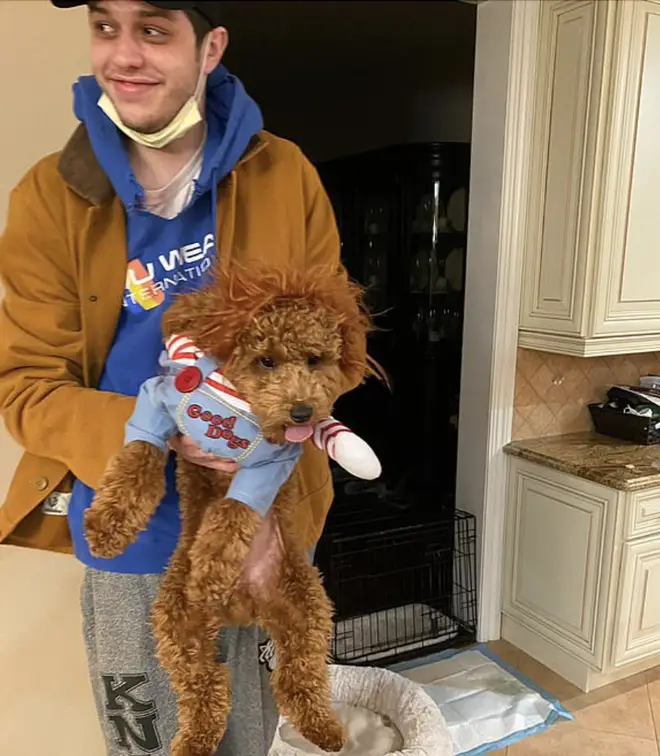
(177, 625)
(218, 555)
(215, 599)
(203, 713)
(128, 494)
(297, 614)
(197, 486)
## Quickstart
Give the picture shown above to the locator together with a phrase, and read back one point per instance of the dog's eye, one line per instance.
(267, 362)
(313, 360)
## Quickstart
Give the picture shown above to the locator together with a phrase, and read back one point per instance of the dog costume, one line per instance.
(191, 396)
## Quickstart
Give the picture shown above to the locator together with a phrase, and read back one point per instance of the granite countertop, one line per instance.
(608, 461)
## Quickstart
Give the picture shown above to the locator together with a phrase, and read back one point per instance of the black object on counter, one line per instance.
(620, 417)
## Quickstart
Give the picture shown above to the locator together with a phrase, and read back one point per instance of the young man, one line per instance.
(168, 168)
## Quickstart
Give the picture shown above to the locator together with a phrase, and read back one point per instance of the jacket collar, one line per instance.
(81, 171)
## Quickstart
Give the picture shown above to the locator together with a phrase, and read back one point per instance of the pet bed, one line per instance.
(384, 714)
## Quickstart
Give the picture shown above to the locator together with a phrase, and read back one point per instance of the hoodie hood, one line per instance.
(232, 117)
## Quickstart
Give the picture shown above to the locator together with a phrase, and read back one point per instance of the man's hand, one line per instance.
(264, 559)
(186, 448)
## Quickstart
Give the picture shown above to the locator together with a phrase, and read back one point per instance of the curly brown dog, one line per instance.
(283, 338)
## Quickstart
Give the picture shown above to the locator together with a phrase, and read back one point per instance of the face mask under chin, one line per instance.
(186, 119)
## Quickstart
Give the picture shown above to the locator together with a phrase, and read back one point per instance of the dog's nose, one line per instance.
(301, 412)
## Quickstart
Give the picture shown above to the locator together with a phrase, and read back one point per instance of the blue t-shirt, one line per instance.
(164, 257)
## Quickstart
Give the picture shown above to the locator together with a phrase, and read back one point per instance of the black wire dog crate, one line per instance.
(403, 585)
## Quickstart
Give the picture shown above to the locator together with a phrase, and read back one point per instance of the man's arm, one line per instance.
(322, 235)
(42, 399)
(323, 246)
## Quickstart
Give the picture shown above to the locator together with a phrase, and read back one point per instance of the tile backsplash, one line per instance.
(553, 391)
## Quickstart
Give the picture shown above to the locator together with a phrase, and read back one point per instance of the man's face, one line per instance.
(147, 60)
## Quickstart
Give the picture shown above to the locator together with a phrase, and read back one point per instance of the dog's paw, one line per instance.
(106, 531)
(327, 733)
(197, 740)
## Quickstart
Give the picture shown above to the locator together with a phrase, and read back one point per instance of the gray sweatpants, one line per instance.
(136, 706)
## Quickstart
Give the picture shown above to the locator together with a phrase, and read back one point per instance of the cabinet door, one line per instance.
(627, 293)
(561, 173)
(638, 630)
(558, 557)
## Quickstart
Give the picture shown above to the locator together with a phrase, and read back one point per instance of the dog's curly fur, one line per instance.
(283, 337)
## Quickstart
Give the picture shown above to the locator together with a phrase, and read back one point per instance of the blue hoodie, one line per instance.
(164, 257)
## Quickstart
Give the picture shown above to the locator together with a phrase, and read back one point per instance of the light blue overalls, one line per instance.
(182, 400)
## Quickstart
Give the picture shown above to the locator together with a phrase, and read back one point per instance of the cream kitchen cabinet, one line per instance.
(581, 590)
(591, 282)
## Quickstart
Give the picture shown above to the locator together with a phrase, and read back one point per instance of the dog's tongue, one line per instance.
(296, 434)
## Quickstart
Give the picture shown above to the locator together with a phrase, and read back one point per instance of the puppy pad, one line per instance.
(486, 703)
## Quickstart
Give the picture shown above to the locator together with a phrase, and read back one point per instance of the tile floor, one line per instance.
(619, 720)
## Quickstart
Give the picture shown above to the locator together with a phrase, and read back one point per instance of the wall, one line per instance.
(46, 703)
(553, 391)
(42, 51)
(371, 114)
(338, 78)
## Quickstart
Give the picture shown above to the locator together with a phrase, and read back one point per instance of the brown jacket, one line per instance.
(63, 266)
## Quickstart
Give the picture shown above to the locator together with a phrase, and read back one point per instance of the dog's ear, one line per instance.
(345, 299)
(355, 325)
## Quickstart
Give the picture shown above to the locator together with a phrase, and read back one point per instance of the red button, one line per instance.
(188, 379)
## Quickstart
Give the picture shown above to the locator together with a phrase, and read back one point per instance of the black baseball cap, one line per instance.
(208, 10)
